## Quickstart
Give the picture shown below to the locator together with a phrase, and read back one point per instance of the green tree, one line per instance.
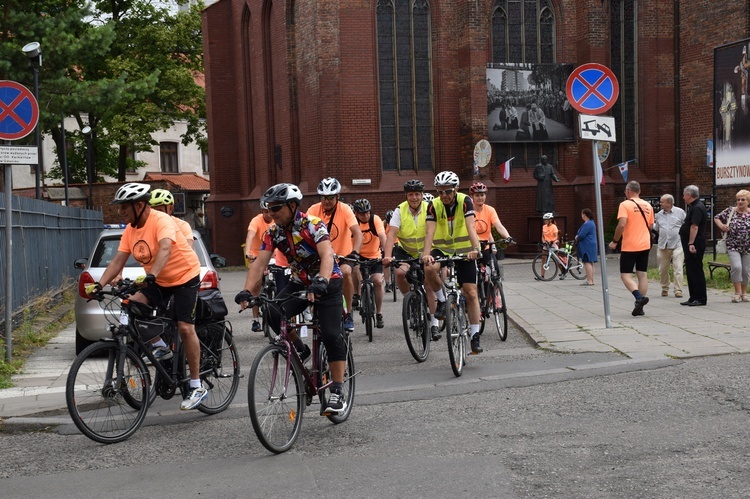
(126, 68)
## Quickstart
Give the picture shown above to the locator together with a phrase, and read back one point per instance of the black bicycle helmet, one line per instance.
(361, 206)
(413, 185)
(282, 193)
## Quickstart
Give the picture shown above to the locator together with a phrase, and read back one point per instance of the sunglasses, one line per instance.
(446, 192)
(276, 208)
(329, 198)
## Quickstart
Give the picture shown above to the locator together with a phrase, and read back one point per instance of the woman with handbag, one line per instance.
(735, 223)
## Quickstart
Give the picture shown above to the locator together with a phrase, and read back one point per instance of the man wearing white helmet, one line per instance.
(343, 229)
(172, 269)
(450, 230)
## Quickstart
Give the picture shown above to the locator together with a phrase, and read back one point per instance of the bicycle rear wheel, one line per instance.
(499, 310)
(367, 309)
(538, 266)
(454, 334)
(276, 408)
(105, 411)
(416, 323)
(349, 379)
(220, 366)
(575, 268)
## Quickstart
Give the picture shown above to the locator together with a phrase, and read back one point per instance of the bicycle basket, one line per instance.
(210, 306)
(149, 329)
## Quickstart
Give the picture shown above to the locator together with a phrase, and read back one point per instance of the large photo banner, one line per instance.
(527, 103)
(732, 114)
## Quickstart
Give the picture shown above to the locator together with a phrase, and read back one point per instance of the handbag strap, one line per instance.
(642, 214)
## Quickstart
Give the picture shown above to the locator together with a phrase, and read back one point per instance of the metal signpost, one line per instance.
(19, 116)
(593, 89)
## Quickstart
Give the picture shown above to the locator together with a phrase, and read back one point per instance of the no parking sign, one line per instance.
(19, 111)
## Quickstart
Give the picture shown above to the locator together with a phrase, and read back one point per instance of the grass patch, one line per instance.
(720, 280)
(40, 323)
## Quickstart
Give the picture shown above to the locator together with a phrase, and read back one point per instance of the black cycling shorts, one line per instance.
(466, 270)
(637, 259)
(185, 298)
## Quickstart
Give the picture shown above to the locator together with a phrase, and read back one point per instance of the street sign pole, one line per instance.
(8, 261)
(600, 235)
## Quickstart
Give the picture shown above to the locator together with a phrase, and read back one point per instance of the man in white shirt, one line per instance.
(667, 223)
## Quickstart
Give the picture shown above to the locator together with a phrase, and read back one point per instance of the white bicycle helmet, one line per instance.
(446, 178)
(132, 192)
(427, 197)
(282, 193)
(329, 186)
(548, 216)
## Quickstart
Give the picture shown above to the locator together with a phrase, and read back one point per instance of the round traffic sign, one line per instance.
(19, 111)
(592, 88)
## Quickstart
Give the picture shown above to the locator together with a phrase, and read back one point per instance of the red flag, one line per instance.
(505, 170)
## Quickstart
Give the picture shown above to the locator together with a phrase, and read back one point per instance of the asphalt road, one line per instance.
(520, 422)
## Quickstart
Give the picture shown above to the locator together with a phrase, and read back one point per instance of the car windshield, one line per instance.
(107, 249)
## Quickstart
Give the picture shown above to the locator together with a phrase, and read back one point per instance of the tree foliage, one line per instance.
(126, 68)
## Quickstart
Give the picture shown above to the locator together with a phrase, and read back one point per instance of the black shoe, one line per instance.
(475, 346)
(387, 288)
(538, 278)
(687, 303)
(336, 404)
(355, 302)
(435, 331)
(696, 303)
(440, 310)
(305, 354)
(639, 303)
(379, 321)
(563, 276)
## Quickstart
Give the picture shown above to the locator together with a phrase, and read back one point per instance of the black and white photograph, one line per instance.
(732, 113)
(527, 103)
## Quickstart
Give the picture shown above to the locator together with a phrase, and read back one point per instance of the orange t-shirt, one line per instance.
(549, 233)
(259, 225)
(184, 227)
(371, 242)
(484, 221)
(637, 235)
(143, 244)
(340, 235)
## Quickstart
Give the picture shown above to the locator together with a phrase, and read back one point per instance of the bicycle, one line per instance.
(415, 313)
(490, 292)
(109, 382)
(456, 316)
(550, 260)
(269, 289)
(281, 387)
(367, 307)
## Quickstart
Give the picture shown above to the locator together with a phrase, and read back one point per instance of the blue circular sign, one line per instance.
(592, 88)
(19, 111)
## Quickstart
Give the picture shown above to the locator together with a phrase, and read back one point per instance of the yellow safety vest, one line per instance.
(457, 240)
(410, 236)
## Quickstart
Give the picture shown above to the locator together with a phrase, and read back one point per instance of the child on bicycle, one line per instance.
(550, 236)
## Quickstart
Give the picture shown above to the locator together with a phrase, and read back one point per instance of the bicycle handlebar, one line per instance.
(123, 289)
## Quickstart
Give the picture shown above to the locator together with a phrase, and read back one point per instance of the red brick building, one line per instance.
(387, 90)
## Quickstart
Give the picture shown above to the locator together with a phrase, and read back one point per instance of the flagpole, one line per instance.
(600, 233)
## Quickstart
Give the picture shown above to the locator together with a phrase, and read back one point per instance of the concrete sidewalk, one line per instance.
(566, 317)
(558, 315)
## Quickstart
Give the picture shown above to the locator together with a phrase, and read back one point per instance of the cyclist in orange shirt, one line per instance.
(163, 200)
(255, 230)
(373, 243)
(343, 229)
(485, 218)
(550, 234)
(172, 269)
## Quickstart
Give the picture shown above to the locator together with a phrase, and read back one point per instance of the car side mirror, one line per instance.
(81, 263)
(218, 261)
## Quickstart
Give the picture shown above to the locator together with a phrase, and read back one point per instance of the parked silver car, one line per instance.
(91, 324)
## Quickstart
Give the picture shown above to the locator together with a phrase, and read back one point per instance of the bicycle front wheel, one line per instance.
(499, 310)
(349, 379)
(545, 268)
(220, 367)
(276, 407)
(103, 409)
(367, 309)
(455, 336)
(416, 323)
(575, 268)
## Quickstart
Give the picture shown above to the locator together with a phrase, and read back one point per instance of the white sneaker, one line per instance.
(194, 398)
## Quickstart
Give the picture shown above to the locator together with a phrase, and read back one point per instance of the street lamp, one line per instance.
(86, 131)
(34, 53)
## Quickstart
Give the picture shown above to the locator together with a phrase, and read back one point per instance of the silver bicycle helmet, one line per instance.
(548, 216)
(282, 193)
(446, 178)
(132, 192)
(427, 197)
(329, 186)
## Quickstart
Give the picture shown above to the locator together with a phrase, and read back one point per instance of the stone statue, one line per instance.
(545, 173)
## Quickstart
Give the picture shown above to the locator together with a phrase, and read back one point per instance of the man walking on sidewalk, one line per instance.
(667, 223)
(693, 237)
(635, 217)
